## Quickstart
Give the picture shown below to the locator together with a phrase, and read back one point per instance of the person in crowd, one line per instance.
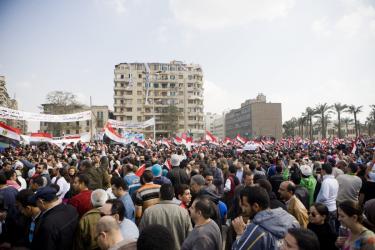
(274, 202)
(267, 227)
(85, 236)
(158, 177)
(349, 184)
(116, 209)
(318, 223)
(31, 211)
(109, 237)
(61, 179)
(37, 182)
(120, 191)
(218, 177)
(276, 180)
(209, 179)
(300, 239)
(41, 169)
(169, 214)
(328, 194)
(177, 175)
(309, 182)
(350, 216)
(155, 237)
(57, 223)
(184, 195)
(369, 215)
(231, 183)
(294, 205)
(206, 233)
(147, 195)
(81, 201)
(131, 178)
(300, 191)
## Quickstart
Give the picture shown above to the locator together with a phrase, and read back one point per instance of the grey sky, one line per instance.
(299, 53)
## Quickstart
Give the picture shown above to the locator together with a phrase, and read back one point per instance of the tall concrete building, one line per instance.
(209, 121)
(8, 102)
(170, 92)
(100, 115)
(219, 126)
(255, 118)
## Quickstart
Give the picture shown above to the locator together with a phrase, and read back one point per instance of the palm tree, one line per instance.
(372, 112)
(321, 111)
(310, 113)
(355, 110)
(339, 108)
(347, 121)
(369, 124)
(301, 123)
(289, 127)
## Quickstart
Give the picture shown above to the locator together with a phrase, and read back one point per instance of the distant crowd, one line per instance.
(159, 197)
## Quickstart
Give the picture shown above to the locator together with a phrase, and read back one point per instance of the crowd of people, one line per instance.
(105, 196)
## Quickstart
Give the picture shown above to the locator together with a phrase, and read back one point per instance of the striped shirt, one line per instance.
(146, 196)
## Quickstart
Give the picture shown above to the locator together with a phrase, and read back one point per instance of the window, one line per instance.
(190, 85)
(139, 109)
(122, 77)
(129, 109)
(140, 76)
(139, 84)
(190, 77)
(139, 92)
(139, 118)
(68, 131)
(180, 77)
(139, 101)
(88, 123)
(156, 85)
(172, 77)
(172, 85)
(128, 118)
(77, 131)
(164, 85)
(77, 123)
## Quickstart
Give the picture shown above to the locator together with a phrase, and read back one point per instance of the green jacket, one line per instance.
(86, 231)
(309, 183)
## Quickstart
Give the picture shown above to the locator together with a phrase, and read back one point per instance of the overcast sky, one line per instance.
(300, 53)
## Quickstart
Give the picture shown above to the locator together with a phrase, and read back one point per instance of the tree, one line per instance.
(370, 122)
(338, 109)
(62, 98)
(310, 113)
(301, 123)
(355, 110)
(347, 121)
(289, 127)
(171, 119)
(321, 111)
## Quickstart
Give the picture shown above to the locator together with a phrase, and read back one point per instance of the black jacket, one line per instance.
(178, 176)
(56, 228)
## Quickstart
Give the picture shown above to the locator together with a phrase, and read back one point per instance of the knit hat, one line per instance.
(156, 170)
(306, 170)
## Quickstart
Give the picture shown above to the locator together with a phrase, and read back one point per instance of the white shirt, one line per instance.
(64, 186)
(328, 192)
(129, 230)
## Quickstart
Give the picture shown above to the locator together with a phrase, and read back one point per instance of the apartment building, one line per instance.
(170, 92)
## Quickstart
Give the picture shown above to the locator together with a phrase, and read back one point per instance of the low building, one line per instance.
(100, 115)
(255, 118)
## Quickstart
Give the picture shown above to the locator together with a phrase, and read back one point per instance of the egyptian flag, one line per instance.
(9, 135)
(241, 139)
(177, 140)
(40, 137)
(211, 138)
(354, 146)
(141, 170)
(227, 141)
(112, 134)
(166, 143)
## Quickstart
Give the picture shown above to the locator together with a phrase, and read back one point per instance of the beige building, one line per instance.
(218, 125)
(6, 101)
(209, 121)
(100, 115)
(255, 118)
(170, 92)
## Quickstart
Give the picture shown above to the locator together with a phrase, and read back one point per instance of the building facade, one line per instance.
(6, 101)
(219, 127)
(170, 92)
(100, 115)
(209, 121)
(255, 118)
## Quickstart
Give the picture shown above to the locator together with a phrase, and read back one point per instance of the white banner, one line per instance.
(139, 125)
(12, 114)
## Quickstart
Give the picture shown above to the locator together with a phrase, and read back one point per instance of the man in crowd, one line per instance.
(268, 226)
(85, 237)
(109, 235)
(120, 191)
(349, 184)
(57, 224)
(81, 201)
(169, 214)
(206, 233)
(294, 206)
